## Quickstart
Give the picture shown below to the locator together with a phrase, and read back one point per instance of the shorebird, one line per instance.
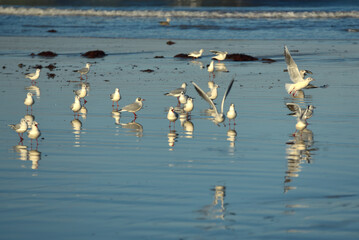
(33, 76)
(220, 56)
(177, 92)
(195, 54)
(219, 116)
(133, 107)
(231, 114)
(76, 106)
(20, 128)
(304, 73)
(29, 101)
(210, 69)
(172, 116)
(165, 23)
(34, 132)
(301, 114)
(188, 106)
(298, 80)
(183, 98)
(115, 97)
(213, 92)
(84, 71)
(81, 93)
(297, 111)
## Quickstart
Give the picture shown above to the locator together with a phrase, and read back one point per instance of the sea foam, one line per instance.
(176, 13)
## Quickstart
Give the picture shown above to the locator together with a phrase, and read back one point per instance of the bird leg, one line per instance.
(135, 116)
(21, 139)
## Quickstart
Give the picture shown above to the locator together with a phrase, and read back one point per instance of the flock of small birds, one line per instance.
(185, 103)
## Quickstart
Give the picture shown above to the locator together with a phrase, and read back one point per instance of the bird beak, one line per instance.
(143, 99)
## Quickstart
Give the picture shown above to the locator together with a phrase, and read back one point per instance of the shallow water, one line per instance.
(108, 180)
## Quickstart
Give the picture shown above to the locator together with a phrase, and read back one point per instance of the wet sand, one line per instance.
(105, 177)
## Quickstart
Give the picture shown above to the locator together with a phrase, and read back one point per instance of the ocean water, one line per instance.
(103, 176)
(251, 20)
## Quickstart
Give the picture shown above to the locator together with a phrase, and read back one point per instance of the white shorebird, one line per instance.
(298, 80)
(183, 98)
(232, 114)
(33, 76)
(304, 73)
(84, 71)
(34, 132)
(20, 128)
(218, 116)
(76, 106)
(29, 101)
(301, 114)
(133, 107)
(177, 92)
(298, 111)
(165, 23)
(210, 69)
(196, 54)
(213, 92)
(220, 56)
(172, 116)
(115, 97)
(188, 106)
(82, 93)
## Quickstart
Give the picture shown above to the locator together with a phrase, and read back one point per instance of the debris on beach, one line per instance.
(20, 65)
(159, 57)
(240, 57)
(51, 75)
(182, 55)
(51, 66)
(47, 54)
(52, 31)
(148, 70)
(170, 43)
(268, 60)
(37, 66)
(94, 54)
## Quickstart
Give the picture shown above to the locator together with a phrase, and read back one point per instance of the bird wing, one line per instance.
(30, 75)
(216, 52)
(226, 94)
(294, 108)
(204, 96)
(292, 67)
(131, 107)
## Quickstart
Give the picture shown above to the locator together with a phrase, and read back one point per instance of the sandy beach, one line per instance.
(106, 177)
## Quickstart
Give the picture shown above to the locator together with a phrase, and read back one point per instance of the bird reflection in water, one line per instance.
(218, 208)
(117, 116)
(35, 90)
(83, 111)
(231, 137)
(172, 138)
(298, 151)
(188, 128)
(198, 63)
(21, 150)
(28, 155)
(76, 126)
(34, 156)
(220, 67)
(134, 128)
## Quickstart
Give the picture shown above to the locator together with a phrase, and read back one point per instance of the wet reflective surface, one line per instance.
(106, 175)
